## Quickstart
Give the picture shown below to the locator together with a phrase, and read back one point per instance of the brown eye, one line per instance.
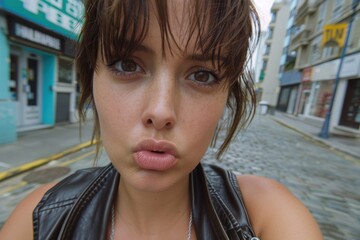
(127, 66)
(203, 77)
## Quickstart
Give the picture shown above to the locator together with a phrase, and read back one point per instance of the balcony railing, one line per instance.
(307, 7)
(301, 12)
(300, 39)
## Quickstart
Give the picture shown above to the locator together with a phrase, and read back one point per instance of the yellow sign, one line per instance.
(335, 33)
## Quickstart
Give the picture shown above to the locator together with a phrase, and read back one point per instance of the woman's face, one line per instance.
(158, 111)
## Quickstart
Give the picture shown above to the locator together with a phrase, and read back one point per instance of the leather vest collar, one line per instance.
(79, 207)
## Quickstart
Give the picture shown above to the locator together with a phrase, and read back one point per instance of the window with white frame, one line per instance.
(270, 33)
(337, 7)
(267, 49)
(330, 51)
(354, 37)
(65, 71)
(315, 53)
(264, 65)
(321, 16)
(273, 16)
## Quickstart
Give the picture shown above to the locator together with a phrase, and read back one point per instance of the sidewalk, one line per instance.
(350, 146)
(35, 148)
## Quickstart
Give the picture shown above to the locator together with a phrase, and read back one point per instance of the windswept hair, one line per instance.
(225, 29)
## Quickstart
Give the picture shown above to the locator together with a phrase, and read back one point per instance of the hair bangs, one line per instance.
(123, 26)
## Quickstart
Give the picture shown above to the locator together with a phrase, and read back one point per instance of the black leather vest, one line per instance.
(79, 206)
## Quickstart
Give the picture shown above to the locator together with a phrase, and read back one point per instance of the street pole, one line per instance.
(325, 127)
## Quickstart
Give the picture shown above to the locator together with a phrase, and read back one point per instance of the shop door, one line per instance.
(32, 103)
(62, 107)
(304, 101)
(350, 116)
(292, 100)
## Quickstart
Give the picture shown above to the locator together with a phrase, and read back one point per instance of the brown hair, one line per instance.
(225, 28)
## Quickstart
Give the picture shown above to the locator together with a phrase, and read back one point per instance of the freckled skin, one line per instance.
(159, 102)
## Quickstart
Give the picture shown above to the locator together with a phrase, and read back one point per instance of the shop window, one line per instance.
(65, 71)
(321, 98)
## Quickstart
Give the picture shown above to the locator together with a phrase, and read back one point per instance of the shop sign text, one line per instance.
(35, 36)
(65, 14)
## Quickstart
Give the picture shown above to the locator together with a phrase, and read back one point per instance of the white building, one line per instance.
(269, 76)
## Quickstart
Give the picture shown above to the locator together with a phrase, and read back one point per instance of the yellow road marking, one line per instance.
(13, 187)
(42, 161)
(77, 158)
(24, 183)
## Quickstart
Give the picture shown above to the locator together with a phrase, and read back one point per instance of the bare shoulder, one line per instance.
(19, 224)
(275, 212)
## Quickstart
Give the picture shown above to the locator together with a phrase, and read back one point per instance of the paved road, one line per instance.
(326, 181)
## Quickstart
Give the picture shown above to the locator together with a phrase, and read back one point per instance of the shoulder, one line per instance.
(21, 217)
(68, 188)
(275, 212)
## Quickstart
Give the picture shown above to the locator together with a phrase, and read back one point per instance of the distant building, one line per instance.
(290, 78)
(257, 62)
(269, 75)
(318, 58)
(37, 76)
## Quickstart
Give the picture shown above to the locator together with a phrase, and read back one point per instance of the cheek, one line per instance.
(107, 104)
(103, 102)
(203, 121)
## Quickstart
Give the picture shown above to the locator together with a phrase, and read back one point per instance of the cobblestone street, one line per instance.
(325, 180)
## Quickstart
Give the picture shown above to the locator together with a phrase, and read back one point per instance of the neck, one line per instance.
(152, 213)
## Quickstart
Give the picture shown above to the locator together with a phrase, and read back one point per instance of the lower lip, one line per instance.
(154, 161)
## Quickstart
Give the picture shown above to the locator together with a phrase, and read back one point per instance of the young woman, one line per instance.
(160, 75)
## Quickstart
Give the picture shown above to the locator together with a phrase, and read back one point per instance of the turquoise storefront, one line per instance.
(36, 54)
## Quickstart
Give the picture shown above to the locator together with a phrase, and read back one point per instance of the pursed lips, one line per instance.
(157, 146)
(155, 155)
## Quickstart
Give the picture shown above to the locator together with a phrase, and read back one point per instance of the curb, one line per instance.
(319, 140)
(42, 161)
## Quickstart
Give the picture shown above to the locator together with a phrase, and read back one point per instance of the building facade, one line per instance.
(290, 78)
(257, 63)
(318, 61)
(269, 76)
(37, 76)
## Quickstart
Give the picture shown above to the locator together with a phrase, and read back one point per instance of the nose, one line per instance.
(160, 105)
